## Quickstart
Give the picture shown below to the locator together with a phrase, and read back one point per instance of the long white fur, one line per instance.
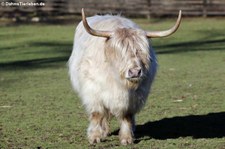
(91, 75)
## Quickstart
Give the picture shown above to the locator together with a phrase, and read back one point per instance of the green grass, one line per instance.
(186, 109)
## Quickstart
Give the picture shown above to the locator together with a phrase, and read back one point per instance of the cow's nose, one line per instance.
(134, 72)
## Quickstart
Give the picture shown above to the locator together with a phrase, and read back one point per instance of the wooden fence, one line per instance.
(131, 8)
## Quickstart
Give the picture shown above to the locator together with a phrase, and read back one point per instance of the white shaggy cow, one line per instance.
(112, 67)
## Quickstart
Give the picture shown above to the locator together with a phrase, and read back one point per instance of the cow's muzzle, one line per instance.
(134, 74)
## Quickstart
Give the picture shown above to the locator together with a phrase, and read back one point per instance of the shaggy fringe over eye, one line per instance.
(130, 43)
(128, 38)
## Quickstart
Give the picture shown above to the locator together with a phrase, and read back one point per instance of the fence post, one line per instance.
(149, 9)
(204, 9)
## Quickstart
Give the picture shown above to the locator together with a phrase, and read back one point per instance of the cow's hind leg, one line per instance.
(96, 131)
(126, 129)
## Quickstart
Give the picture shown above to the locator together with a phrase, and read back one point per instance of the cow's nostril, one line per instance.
(139, 73)
(134, 72)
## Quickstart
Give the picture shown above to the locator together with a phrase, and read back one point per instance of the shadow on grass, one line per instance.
(52, 48)
(197, 126)
(191, 46)
(51, 54)
(35, 63)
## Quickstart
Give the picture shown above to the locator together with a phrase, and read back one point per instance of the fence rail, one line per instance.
(132, 8)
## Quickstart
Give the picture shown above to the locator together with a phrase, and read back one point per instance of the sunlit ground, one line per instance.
(186, 109)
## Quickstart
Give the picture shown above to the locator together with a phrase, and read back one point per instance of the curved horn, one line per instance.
(155, 34)
(91, 31)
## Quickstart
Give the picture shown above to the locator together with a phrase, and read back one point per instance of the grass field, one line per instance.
(186, 109)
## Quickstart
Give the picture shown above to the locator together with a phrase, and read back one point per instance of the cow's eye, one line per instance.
(138, 52)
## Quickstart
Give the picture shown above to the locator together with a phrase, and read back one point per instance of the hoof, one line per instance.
(126, 141)
(94, 140)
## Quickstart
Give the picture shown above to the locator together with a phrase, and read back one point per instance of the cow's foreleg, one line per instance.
(126, 129)
(105, 124)
(95, 130)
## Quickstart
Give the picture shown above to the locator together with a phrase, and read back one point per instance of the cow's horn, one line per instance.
(93, 32)
(155, 34)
